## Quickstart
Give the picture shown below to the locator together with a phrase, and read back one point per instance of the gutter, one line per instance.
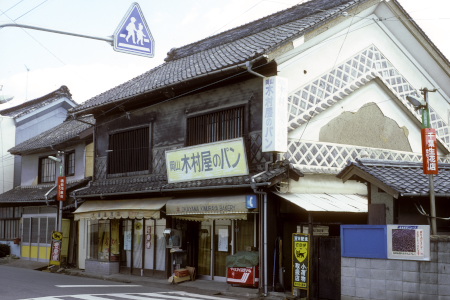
(243, 66)
(424, 195)
(170, 190)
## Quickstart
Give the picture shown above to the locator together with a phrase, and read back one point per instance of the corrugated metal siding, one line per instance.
(328, 202)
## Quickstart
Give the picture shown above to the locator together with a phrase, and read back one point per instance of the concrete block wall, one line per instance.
(369, 278)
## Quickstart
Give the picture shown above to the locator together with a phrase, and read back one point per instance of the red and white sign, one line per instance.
(429, 151)
(61, 196)
(245, 276)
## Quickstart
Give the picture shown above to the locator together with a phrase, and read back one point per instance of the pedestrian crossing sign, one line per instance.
(133, 35)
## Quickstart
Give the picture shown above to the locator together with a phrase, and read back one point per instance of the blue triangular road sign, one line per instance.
(133, 35)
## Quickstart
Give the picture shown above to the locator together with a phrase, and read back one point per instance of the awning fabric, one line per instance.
(121, 209)
(207, 208)
(328, 202)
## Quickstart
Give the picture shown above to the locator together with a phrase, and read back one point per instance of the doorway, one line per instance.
(218, 239)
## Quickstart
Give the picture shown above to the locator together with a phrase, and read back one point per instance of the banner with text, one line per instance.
(214, 160)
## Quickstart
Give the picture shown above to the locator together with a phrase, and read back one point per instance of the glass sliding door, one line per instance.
(222, 246)
(204, 249)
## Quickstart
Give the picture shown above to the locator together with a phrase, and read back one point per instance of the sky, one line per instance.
(35, 63)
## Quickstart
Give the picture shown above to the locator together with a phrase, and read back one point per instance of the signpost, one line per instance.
(133, 35)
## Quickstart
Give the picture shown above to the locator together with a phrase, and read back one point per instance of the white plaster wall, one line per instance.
(326, 183)
(317, 60)
(30, 165)
(7, 141)
(40, 123)
(371, 93)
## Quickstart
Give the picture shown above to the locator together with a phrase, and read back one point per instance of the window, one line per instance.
(70, 163)
(47, 170)
(217, 126)
(9, 222)
(129, 151)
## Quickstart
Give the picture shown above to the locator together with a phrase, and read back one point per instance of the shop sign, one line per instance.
(300, 259)
(214, 160)
(56, 246)
(429, 151)
(61, 196)
(274, 129)
(411, 242)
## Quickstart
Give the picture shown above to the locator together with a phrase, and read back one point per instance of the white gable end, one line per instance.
(364, 64)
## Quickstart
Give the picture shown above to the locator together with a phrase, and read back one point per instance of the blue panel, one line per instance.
(367, 241)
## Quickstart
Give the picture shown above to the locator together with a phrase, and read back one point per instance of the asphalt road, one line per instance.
(18, 283)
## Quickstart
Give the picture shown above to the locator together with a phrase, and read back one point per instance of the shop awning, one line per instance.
(328, 202)
(206, 208)
(148, 208)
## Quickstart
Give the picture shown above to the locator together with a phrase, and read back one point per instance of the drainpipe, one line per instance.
(249, 65)
(263, 235)
(48, 193)
(74, 193)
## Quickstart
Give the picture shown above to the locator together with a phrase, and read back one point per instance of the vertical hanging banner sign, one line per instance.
(429, 151)
(274, 129)
(300, 259)
(62, 186)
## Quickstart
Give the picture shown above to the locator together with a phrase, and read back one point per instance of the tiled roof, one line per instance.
(67, 131)
(32, 105)
(404, 178)
(158, 183)
(36, 193)
(229, 49)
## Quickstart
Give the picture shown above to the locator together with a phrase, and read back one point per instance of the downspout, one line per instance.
(48, 193)
(74, 193)
(249, 65)
(263, 235)
(263, 220)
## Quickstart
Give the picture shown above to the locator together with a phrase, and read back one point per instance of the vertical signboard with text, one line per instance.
(429, 151)
(300, 259)
(274, 127)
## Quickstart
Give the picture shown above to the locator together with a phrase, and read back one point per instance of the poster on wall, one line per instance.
(410, 242)
(300, 259)
(127, 240)
(223, 240)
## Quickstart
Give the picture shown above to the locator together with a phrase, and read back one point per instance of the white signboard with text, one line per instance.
(213, 160)
(274, 129)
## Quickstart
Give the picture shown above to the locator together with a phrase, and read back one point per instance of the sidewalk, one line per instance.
(197, 286)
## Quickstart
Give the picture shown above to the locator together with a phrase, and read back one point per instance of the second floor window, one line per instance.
(129, 151)
(47, 170)
(217, 126)
(70, 163)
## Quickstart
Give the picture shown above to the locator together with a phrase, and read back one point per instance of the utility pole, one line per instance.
(427, 124)
(429, 150)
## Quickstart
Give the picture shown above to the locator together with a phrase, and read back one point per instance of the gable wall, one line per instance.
(317, 60)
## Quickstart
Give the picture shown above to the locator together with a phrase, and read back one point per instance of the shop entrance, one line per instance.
(219, 238)
(215, 244)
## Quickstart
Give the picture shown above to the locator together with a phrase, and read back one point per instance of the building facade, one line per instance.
(18, 124)
(348, 75)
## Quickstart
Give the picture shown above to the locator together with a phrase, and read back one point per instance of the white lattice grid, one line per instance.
(317, 157)
(333, 86)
